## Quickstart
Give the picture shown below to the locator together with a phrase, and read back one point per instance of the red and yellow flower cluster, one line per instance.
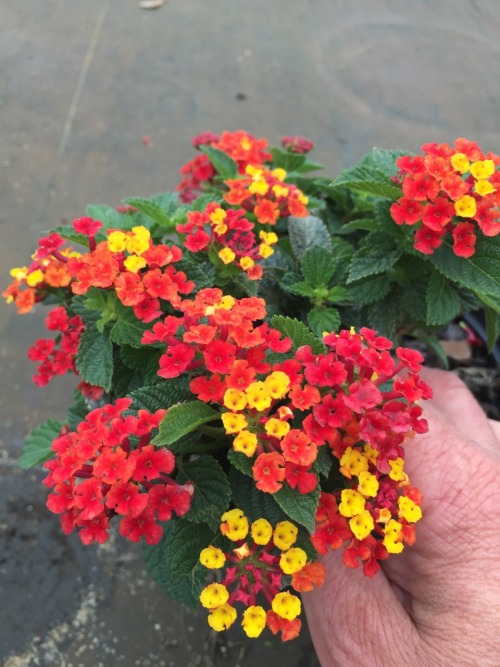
(97, 473)
(448, 190)
(260, 565)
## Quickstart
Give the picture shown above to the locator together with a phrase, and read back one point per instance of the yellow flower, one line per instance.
(484, 188)
(222, 618)
(246, 263)
(352, 503)
(134, 263)
(258, 188)
(217, 218)
(234, 399)
(371, 454)
(246, 443)
(276, 427)
(138, 241)
(265, 250)
(303, 199)
(258, 396)
(233, 422)
(293, 560)
(254, 620)
(34, 278)
(368, 484)
(268, 237)
(397, 469)
(409, 510)
(392, 534)
(460, 162)
(214, 596)
(285, 535)
(482, 169)
(117, 241)
(226, 255)
(286, 605)
(466, 206)
(353, 462)
(279, 173)
(212, 558)
(19, 272)
(362, 525)
(277, 384)
(234, 525)
(280, 191)
(255, 172)
(261, 531)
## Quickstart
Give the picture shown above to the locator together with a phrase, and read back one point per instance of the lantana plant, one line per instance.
(247, 378)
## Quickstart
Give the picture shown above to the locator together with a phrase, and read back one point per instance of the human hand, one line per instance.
(437, 604)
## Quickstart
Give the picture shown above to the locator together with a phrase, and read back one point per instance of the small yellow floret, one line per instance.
(460, 162)
(134, 263)
(303, 199)
(280, 191)
(279, 173)
(34, 278)
(227, 255)
(397, 469)
(214, 595)
(276, 427)
(222, 618)
(409, 510)
(212, 558)
(482, 169)
(234, 422)
(258, 187)
(286, 605)
(234, 399)
(352, 503)
(265, 250)
(234, 525)
(19, 272)
(268, 237)
(253, 171)
(368, 484)
(261, 531)
(246, 443)
(391, 539)
(138, 242)
(362, 525)
(371, 454)
(277, 384)
(353, 462)
(293, 560)
(117, 241)
(484, 188)
(285, 535)
(254, 620)
(466, 206)
(258, 396)
(246, 263)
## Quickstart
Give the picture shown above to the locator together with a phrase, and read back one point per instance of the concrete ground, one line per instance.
(81, 83)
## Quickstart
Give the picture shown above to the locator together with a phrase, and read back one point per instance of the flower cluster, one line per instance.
(57, 357)
(448, 190)
(231, 235)
(260, 565)
(297, 144)
(108, 467)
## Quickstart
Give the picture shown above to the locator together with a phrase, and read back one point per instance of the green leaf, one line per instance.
(338, 294)
(317, 266)
(480, 273)
(287, 160)
(384, 160)
(211, 490)
(224, 165)
(254, 503)
(378, 254)
(203, 274)
(182, 419)
(159, 396)
(94, 359)
(240, 462)
(385, 316)
(492, 322)
(128, 329)
(153, 210)
(78, 411)
(298, 332)
(324, 461)
(370, 289)
(139, 358)
(105, 303)
(323, 319)
(185, 590)
(298, 507)
(108, 215)
(309, 165)
(302, 289)
(443, 303)
(307, 232)
(370, 180)
(182, 550)
(38, 443)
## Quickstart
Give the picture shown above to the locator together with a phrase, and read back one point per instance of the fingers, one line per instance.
(456, 406)
(355, 620)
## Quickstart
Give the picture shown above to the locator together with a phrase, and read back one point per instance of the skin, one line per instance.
(437, 604)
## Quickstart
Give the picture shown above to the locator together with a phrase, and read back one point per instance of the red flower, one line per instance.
(126, 499)
(269, 472)
(298, 448)
(175, 361)
(150, 463)
(87, 226)
(464, 239)
(406, 211)
(438, 213)
(144, 525)
(420, 187)
(219, 356)
(427, 240)
(168, 498)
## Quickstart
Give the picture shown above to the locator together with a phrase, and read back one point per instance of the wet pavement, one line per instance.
(80, 85)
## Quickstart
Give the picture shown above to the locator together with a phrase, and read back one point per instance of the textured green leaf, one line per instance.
(224, 165)
(369, 290)
(38, 443)
(185, 590)
(299, 508)
(384, 160)
(492, 323)
(159, 396)
(254, 503)
(385, 316)
(202, 274)
(182, 419)
(307, 232)
(480, 273)
(240, 462)
(298, 333)
(182, 550)
(139, 358)
(324, 461)
(443, 303)
(302, 289)
(378, 254)
(108, 215)
(338, 294)
(323, 319)
(78, 411)
(128, 329)
(287, 160)
(368, 179)
(152, 209)
(169, 201)
(90, 317)
(94, 359)
(308, 165)
(211, 490)
(317, 266)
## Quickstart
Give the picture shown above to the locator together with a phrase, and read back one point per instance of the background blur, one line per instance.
(81, 84)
